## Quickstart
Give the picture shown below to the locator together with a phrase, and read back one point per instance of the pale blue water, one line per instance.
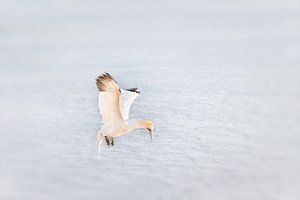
(220, 80)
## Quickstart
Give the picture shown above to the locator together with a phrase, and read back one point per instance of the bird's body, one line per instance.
(119, 129)
(114, 106)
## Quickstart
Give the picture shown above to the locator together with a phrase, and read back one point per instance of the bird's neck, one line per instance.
(137, 123)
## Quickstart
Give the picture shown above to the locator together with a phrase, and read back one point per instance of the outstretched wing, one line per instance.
(126, 99)
(109, 99)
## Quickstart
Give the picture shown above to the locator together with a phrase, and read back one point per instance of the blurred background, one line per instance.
(221, 80)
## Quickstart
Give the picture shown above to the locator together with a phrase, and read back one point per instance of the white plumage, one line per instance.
(114, 107)
(126, 100)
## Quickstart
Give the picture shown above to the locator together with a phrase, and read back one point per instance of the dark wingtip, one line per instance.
(136, 90)
(101, 78)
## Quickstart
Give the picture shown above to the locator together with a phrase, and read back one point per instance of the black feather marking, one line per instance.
(100, 79)
(133, 90)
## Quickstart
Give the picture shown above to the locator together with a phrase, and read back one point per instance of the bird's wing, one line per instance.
(109, 98)
(126, 99)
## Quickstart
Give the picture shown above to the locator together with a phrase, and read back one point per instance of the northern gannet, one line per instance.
(114, 105)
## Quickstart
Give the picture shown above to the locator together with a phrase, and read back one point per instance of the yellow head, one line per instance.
(149, 125)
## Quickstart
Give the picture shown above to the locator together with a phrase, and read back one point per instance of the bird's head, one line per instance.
(149, 125)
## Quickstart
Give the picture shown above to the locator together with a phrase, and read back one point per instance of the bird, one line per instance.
(114, 105)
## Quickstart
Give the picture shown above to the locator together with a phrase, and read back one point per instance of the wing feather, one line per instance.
(109, 99)
(126, 100)
(106, 82)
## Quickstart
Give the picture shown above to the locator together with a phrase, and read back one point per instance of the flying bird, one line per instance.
(114, 106)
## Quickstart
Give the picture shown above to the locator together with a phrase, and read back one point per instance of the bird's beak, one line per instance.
(150, 133)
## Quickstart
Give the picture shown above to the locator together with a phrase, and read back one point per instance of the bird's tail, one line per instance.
(100, 139)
